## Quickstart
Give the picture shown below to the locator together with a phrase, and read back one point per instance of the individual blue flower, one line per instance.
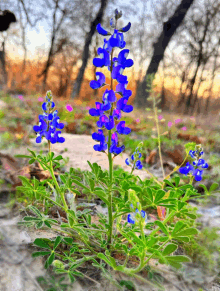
(104, 60)
(198, 174)
(101, 30)
(109, 95)
(100, 81)
(121, 89)
(110, 123)
(125, 28)
(185, 170)
(101, 138)
(121, 129)
(55, 123)
(122, 105)
(96, 111)
(102, 120)
(117, 74)
(122, 59)
(117, 114)
(114, 40)
(107, 46)
(115, 149)
(139, 166)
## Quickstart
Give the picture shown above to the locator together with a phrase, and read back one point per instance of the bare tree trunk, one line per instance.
(169, 28)
(2, 59)
(199, 62)
(85, 55)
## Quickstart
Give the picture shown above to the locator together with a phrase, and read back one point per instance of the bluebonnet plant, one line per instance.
(132, 217)
(194, 169)
(49, 122)
(111, 108)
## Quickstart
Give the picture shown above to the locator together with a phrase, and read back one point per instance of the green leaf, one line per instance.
(90, 165)
(102, 195)
(204, 187)
(57, 241)
(41, 243)
(213, 187)
(169, 249)
(22, 156)
(179, 258)
(36, 211)
(177, 181)
(104, 258)
(137, 189)
(181, 205)
(30, 218)
(80, 184)
(72, 279)
(68, 240)
(63, 179)
(186, 232)
(32, 152)
(39, 224)
(40, 254)
(175, 264)
(161, 226)
(182, 238)
(25, 181)
(58, 158)
(150, 194)
(92, 184)
(47, 223)
(159, 195)
(178, 226)
(193, 216)
(169, 183)
(51, 258)
(31, 161)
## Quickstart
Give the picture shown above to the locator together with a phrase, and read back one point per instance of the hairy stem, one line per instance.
(55, 180)
(110, 160)
(158, 133)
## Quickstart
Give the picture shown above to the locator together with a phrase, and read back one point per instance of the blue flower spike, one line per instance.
(109, 110)
(49, 122)
(135, 162)
(198, 162)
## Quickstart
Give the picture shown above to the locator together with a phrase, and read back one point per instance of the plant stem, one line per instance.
(55, 180)
(110, 161)
(158, 132)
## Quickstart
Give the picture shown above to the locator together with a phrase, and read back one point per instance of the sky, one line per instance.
(39, 37)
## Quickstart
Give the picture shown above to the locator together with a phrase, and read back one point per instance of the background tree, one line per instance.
(169, 28)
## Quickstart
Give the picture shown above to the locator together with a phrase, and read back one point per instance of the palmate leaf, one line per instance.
(159, 196)
(178, 226)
